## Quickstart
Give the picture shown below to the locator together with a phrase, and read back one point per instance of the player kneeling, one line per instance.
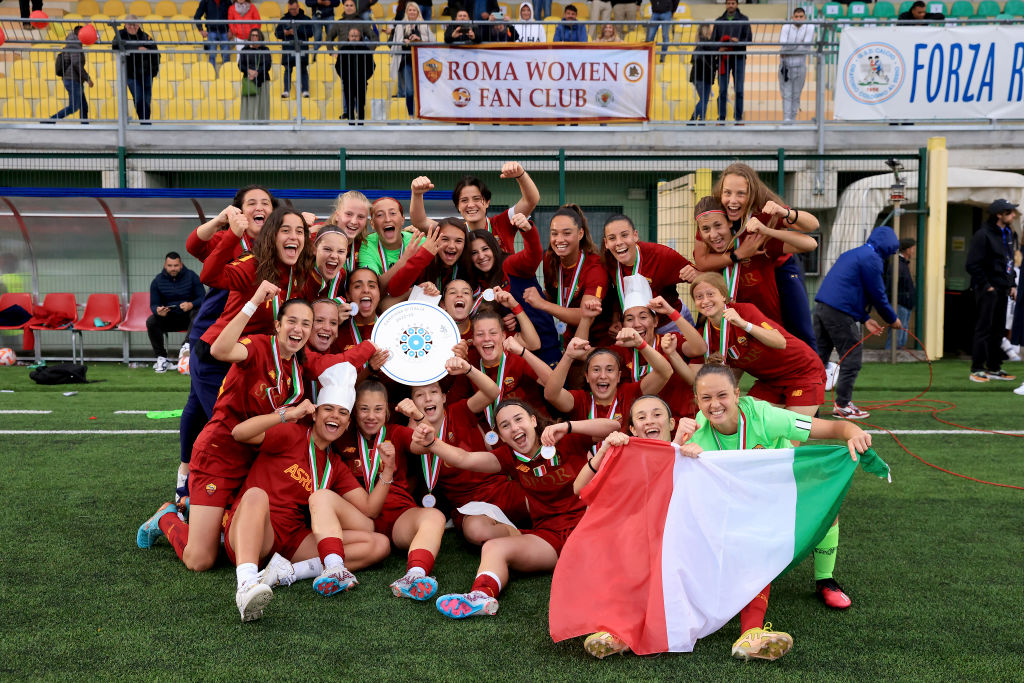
(297, 470)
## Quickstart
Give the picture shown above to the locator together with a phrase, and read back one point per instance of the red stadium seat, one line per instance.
(105, 307)
(24, 300)
(58, 312)
(137, 313)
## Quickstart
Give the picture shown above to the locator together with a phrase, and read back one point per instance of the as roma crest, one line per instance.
(432, 70)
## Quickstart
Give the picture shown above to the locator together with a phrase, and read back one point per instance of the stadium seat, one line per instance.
(189, 8)
(114, 8)
(378, 12)
(311, 110)
(857, 10)
(269, 9)
(397, 110)
(1015, 8)
(937, 7)
(961, 9)
(280, 110)
(178, 110)
(163, 89)
(137, 313)
(87, 8)
(335, 108)
(210, 110)
(988, 9)
(832, 10)
(106, 308)
(166, 9)
(20, 108)
(140, 8)
(63, 306)
(24, 300)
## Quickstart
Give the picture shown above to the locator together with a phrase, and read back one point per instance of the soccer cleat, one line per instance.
(831, 375)
(831, 593)
(251, 599)
(150, 529)
(1019, 390)
(415, 587)
(602, 644)
(979, 376)
(762, 643)
(183, 351)
(999, 374)
(849, 412)
(278, 572)
(334, 580)
(462, 605)
(161, 364)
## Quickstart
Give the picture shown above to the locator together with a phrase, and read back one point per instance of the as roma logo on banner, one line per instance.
(432, 70)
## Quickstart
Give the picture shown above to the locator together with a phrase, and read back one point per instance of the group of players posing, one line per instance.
(297, 449)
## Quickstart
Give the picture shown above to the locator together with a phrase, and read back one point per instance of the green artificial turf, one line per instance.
(932, 562)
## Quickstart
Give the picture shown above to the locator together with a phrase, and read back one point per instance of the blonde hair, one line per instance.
(351, 194)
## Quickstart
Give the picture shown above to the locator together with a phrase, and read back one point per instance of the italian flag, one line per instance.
(671, 548)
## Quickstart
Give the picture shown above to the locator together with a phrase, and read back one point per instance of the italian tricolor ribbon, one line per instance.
(370, 458)
(322, 483)
(296, 378)
(618, 279)
(432, 463)
(741, 430)
(723, 337)
(491, 408)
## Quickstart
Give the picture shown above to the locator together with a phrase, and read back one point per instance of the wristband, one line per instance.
(590, 464)
(431, 443)
(517, 310)
(523, 352)
(569, 422)
(249, 309)
(280, 413)
(732, 256)
(796, 217)
(644, 344)
(381, 480)
(675, 315)
(749, 327)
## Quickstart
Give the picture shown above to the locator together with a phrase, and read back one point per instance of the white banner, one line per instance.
(930, 72)
(527, 83)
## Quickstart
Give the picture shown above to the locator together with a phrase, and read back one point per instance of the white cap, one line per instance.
(417, 294)
(339, 386)
(636, 291)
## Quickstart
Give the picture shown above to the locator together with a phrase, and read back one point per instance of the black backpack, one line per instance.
(65, 373)
(60, 64)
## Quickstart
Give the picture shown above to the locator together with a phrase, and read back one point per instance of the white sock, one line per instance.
(308, 569)
(333, 560)
(416, 572)
(247, 572)
(493, 576)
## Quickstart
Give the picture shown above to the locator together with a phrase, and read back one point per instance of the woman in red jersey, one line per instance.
(545, 461)
(331, 246)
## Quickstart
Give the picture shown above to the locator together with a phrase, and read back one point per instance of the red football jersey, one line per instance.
(678, 393)
(348, 446)
(593, 277)
(583, 403)
(660, 266)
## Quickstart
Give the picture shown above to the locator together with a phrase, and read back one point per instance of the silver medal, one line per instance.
(488, 295)
(429, 501)
(491, 438)
(547, 452)
(561, 327)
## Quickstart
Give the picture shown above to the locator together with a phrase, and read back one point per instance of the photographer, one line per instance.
(141, 64)
(461, 31)
(498, 30)
(174, 297)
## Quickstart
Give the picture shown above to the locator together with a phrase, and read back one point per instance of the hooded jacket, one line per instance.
(529, 33)
(987, 257)
(854, 284)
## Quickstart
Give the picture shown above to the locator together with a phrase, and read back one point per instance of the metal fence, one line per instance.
(200, 82)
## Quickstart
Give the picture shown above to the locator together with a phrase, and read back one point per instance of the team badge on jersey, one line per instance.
(211, 489)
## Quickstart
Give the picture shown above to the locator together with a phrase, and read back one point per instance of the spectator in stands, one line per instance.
(323, 14)
(541, 9)
(919, 14)
(703, 69)
(461, 31)
(906, 290)
(243, 10)
(733, 29)
(661, 16)
(481, 10)
(254, 63)
(407, 32)
(528, 30)
(625, 10)
(215, 33)
(569, 30)
(795, 39)
(600, 10)
(498, 30)
(295, 31)
(349, 17)
(355, 67)
(141, 65)
(608, 34)
(174, 297)
(70, 68)
(426, 10)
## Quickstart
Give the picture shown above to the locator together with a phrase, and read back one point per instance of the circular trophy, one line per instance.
(420, 337)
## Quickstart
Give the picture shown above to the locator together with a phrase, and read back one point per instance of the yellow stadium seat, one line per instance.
(48, 106)
(234, 111)
(397, 110)
(311, 110)
(165, 8)
(204, 72)
(682, 12)
(140, 8)
(582, 11)
(379, 12)
(25, 69)
(178, 110)
(225, 88)
(334, 109)
(107, 110)
(163, 89)
(114, 8)
(172, 69)
(189, 7)
(210, 111)
(269, 9)
(87, 8)
(22, 109)
(322, 70)
(3, 109)
(549, 28)
(280, 110)
(8, 89)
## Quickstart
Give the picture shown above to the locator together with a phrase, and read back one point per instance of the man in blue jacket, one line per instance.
(174, 297)
(850, 288)
(569, 30)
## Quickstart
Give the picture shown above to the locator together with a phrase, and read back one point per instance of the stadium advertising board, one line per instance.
(930, 72)
(565, 82)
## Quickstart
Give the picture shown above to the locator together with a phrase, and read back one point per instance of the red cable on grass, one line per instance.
(926, 406)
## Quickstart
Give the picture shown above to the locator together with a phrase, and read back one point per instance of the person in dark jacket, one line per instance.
(174, 297)
(141, 64)
(216, 33)
(295, 31)
(732, 32)
(906, 290)
(569, 30)
(323, 14)
(498, 31)
(703, 69)
(850, 288)
(462, 31)
(990, 264)
(70, 68)
(355, 67)
(661, 16)
(338, 33)
(919, 15)
(254, 63)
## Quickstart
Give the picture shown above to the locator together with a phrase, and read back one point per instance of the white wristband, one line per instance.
(749, 327)
(249, 308)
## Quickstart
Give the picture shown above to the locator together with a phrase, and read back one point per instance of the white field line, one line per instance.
(130, 412)
(944, 431)
(25, 412)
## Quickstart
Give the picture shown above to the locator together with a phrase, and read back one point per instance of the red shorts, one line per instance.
(289, 533)
(397, 502)
(215, 477)
(507, 495)
(555, 530)
(801, 392)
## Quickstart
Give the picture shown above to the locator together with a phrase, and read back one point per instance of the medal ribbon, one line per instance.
(370, 471)
(732, 278)
(592, 415)
(639, 373)
(526, 458)
(491, 408)
(245, 245)
(312, 462)
(742, 431)
(723, 337)
(355, 330)
(620, 284)
(277, 300)
(432, 463)
(350, 259)
(296, 380)
(478, 298)
(455, 276)
(563, 300)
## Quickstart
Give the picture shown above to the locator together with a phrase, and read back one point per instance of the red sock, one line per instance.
(176, 532)
(752, 616)
(424, 559)
(487, 584)
(331, 544)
